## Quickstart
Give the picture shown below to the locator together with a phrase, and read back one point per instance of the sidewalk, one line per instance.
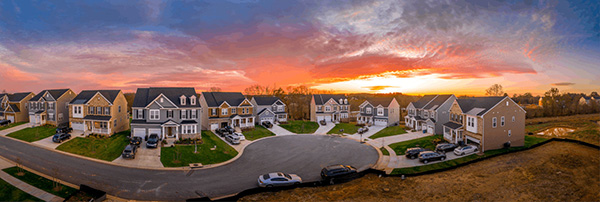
(322, 130)
(14, 129)
(41, 194)
(380, 142)
(279, 131)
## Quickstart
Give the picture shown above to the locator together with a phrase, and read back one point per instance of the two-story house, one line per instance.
(15, 107)
(329, 107)
(3, 104)
(490, 122)
(170, 113)
(50, 107)
(222, 109)
(270, 109)
(380, 111)
(99, 112)
(429, 113)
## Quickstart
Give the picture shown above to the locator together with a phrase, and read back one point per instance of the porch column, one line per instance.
(108, 124)
(176, 132)
(162, 132)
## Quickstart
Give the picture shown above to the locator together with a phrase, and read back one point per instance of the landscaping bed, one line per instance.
(179, 156)
(301, 127)
(12, 193)
(98, 147)
(257, 133)
(40, 182)
(11, 125)
(348, 128)
(34, 134)
(389, 131)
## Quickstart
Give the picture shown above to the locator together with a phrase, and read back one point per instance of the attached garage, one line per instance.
(214, 126)
(157, 131)
(472, 140)
(380, 122)
(266, 119)
(77, 126)
(11, 118)
(430, 129)
(139, 132)
(327, 118)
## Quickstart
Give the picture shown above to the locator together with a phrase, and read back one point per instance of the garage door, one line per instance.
(265, 119)
(470, 139)
(11, 118)
(214, 126)
(155, 131)
(430, 129)
(139, 132)
(328, 118)
(77, 126)
(380, 122)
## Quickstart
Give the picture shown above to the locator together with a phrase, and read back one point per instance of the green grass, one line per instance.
(34, 134)
(11, 193)
(384, 151)
(389, 131)
(529, 142)
(586, 127)
(300, 126)
(11, 125)
(103, 148)
(179, 156)
(425, 142)
(41, 182)
(348, 128)
(257, 133)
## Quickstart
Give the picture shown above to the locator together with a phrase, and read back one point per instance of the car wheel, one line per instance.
(443, 158)
(269, 185)
(425, 161)
(462, 153)
(331, 181)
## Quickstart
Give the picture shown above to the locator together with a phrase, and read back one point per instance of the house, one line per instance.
(585, 100)
(329, 107)
(429, 113)
(270, 109)
(222, 109)
(101, 112)
(50, 107)
(490, 122)
(380, 111)
(14, 107)
(3, 104)
(171, 113)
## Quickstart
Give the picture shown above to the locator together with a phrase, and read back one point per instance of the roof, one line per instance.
(423, 101)
(383, 101)
(56, 93)
(437, 101)
(452, 125)
(215, 99)
(100, 118)
(86, 95)
(144, 96)
(266, 100)
(189, 122)
(15, 108)
(478, 105)
(17, 97)
(321, 99)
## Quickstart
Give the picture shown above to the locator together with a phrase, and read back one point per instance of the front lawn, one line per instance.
(179, 156)
(301, 127)
(41, 182)
(424, 142)
(257, 133)
(389, 131)
(11, 193)
(348, 128)
(11, 125)
(34, 134)
(104, 148)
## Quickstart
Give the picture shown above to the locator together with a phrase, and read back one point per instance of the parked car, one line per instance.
(59, 137)
(278, 179)
(129, 151)
(333, 173)
(4, 122)
(465, 150)
(229, 129)
(135, 140)
(267, 124)
(413, 153)
(152, 141)
(240, 135)
(64, 129)
(222, 132)
(428, 156)
(445, 147)
(323, 122)
(233, 139)
(364, 129)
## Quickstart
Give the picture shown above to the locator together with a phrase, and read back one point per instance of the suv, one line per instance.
(129, 152)
(445, 147)
(135, 140)
(428, 156)
(59, 137)
(229, 129)
(363, 130)
(64, 129)
(221, 132)
(152, 141)
(233, 139)
(4, 122)
(413, 153)
(334, 173)
(323, 122)
(267, 124)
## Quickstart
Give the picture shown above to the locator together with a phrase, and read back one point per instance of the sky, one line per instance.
(412, 47)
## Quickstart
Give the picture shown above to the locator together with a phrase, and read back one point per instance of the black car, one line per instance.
(129, 152)
(229, 129)
(4, 122)
(59, 137)
(445, 147)
(413, 153)
(323, 122)
(428, 156)
(135, 140)
(222, 132)
(335, 173)
(152, 141)
(267, 124)
(64, 129)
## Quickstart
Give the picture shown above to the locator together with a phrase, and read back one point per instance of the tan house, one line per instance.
(220, 109)
(490, 122)
(99, 112)
(14, 107)
(329, 107)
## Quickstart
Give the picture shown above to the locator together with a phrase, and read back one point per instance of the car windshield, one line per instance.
(288, 176)
(266, 176)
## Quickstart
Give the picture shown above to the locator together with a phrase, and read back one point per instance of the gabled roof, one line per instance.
(437, 101)
(321, 99)
(453, 125)
(266, 100)
(264, 110)
(383, 101)
(86, 95)
(144, 96)
(423, 101)
(478, 105)
(15, 108)
(215, 99)
(55, 93)
(17, 97)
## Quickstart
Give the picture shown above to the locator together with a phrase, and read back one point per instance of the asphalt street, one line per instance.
(304, 155)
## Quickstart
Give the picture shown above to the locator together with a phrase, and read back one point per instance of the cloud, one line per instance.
(563, 84)
(377, 88)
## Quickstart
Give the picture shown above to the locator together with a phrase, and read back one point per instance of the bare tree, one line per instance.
(494, 90)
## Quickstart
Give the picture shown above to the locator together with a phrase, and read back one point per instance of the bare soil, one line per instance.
(557, 171)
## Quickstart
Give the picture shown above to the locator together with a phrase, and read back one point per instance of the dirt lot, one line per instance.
(557, 171)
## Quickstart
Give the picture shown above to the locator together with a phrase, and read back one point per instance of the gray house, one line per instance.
(50, 107)
(429, 113)
(171, 113)
(329, 107)
(270, 109)
(379, 111)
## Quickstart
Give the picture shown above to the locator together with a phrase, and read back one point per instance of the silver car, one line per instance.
(278, 179)
(240, 135)
(465, 150)
(233, 139)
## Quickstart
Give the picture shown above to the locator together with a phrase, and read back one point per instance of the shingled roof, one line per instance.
(437, 101)
(478, 105)
(17, 97)
(86, 95)
(265, 100)
(55, 93)
(144, 96)
(383, 101)
(215, 99)
(423, 101)
(321, 99)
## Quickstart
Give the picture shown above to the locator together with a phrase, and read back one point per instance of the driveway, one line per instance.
(403, 162)
(322, 130)
(13, 129)
(278, 130)
(371, 132)
(379, 142)
(145, 158)
(47, 142)
(304, 155)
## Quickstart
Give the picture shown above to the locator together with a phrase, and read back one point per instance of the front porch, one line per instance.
(281, 118)
(453, 132)
(97, 127)
(242, 122)
(38, 118)
(364, 120)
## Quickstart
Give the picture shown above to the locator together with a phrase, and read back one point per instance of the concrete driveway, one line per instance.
(380, 142)
(279, 131)
(403, 162)
(371, 132)
(144, 158)
(323, 129)
(47, 142)
(237, 147)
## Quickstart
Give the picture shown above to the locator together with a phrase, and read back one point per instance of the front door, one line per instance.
(170, 132)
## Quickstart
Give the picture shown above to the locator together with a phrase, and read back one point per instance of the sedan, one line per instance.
(465, 150)
(445, 147)
(240, 135)
(267, 124)
(59, 137)
(428, 156)
(413, 153)
(278, 179)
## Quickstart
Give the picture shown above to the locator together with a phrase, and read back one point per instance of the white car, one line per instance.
(240, 135)
(465, 150)
(278, 179)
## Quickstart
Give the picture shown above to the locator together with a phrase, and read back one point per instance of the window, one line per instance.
(162, 100)
(119, 109)
(51, 105)
(509, 133)
(319, 108)
(183, 114)
(380, 111)
(280, 108)
(99, 110)
(193, 100)
(115, 123)
(189, 129)
(224, 111)
(502, 121)
(334, 108)
(182, 99)
(368, 110)
(107, 110)
(60, 116)
(154, 114)
(170, 113)
(140, 113)
(213, 111)
(193, 116)
(494, 122)
(234, 110)
(92, 110)
(513, 119)
(327, 108)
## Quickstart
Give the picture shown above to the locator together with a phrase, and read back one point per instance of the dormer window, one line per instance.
(346, 101)
(193, 100)
(182, 100)
(162, 100)
(341, 101)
